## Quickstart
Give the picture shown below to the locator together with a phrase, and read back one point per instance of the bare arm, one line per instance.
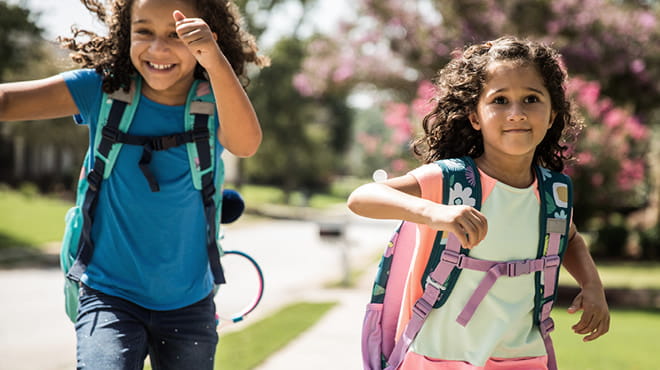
(595, 319)
(400, 198)
(39, 99)
(240, 132)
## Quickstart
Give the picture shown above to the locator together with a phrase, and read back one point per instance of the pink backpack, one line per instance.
(381, 350)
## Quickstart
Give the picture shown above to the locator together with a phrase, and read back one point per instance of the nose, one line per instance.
(517, 113)
(159, 44)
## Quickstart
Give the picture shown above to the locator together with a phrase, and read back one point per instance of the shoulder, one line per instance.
(85, 88)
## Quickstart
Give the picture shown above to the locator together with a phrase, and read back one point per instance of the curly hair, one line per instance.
(110, 55)
(447, 129)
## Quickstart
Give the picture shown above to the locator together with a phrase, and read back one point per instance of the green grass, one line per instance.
(631, 343)
(635, 275)
(30, 220)
(247, 348)
(259, 194)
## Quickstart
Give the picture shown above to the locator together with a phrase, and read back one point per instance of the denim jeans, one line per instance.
(115, 334)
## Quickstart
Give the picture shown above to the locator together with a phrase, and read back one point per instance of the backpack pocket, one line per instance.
(372, 337)
(73, 228)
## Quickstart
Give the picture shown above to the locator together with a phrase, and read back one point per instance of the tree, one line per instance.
(304, 137)
(613, 46)
(18, 35)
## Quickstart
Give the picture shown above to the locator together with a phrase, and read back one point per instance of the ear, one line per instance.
(474, 121)
(215, 36)
(553, 115)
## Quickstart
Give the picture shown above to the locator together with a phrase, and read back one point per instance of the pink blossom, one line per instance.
(369, 142)
(585, 158)
(636, 130)
(637, 66)
(343, 73)
(597, 179)
(631, 174)
(399, 165)
(614, 117)
(302, 84)
(396, 114)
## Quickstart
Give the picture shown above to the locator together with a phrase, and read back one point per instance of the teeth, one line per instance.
(160, 66)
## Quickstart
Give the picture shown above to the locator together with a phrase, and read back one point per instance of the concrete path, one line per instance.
(36, 334)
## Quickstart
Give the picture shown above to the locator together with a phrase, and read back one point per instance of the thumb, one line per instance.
(576, 305)
(178, 16)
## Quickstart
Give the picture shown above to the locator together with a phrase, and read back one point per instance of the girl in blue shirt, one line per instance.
(147, 288)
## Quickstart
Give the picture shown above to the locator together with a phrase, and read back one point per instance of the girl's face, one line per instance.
(514, 110)
(163, 61)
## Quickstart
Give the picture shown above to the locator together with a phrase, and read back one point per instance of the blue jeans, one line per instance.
(115, 334)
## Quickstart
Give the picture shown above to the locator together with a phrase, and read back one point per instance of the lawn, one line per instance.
(631, 343)
(30, 219)
(245, 349)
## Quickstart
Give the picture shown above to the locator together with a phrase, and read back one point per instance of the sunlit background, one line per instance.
(349, 84)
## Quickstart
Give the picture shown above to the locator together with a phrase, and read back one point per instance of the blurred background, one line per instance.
(350, 82)
(348, 86)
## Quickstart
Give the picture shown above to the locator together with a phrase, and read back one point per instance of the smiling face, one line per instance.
(163, 61)
(514, 110)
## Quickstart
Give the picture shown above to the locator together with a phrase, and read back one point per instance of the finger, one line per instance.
(481, 224)
(470, 233)
(582, 327)
(603, 327)
(576, 305)
(178, 16)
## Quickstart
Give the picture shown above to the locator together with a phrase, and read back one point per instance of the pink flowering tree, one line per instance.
(610, 174)
(611, 48)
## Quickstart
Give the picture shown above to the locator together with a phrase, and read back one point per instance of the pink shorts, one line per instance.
(414, 361)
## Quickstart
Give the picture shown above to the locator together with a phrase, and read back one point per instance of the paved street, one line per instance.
(36, 334)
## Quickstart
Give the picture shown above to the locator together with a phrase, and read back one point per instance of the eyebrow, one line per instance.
(528, 88)
(144, 21)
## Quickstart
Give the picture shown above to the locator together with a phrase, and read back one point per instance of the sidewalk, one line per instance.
(36, 334)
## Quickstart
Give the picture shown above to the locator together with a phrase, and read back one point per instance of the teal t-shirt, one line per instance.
(150, 247)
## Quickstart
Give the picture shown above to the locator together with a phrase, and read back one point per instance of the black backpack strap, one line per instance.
(201, 136)
(94, 180)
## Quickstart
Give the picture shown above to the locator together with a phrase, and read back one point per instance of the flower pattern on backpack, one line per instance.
(459, 196)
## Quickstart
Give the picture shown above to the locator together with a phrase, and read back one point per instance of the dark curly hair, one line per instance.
(447, 129)
(109, 55)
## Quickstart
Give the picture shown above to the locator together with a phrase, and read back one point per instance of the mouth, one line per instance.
(160, 67)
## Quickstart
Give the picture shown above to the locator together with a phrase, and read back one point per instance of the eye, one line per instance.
(142, 31)
(532, 99)
(500, 100)
(174, 35)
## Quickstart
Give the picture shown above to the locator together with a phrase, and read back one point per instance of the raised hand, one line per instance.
(198, 37)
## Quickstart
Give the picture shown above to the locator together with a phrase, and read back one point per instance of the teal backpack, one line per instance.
(380, 347)
(115, 118)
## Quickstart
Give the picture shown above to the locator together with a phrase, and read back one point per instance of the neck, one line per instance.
(516, 172)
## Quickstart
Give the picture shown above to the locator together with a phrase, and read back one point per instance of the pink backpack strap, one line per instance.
(435, 285)
(556, 228)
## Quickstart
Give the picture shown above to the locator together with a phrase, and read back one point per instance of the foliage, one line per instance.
(18, 35)
(303, 136)
(393, 44)
(395, 47)
(251, 346)
(611, 155)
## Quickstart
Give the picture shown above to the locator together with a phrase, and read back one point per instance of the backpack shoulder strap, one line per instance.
(207, 175)
(555, 191)
(116, 115)
(461, 185)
